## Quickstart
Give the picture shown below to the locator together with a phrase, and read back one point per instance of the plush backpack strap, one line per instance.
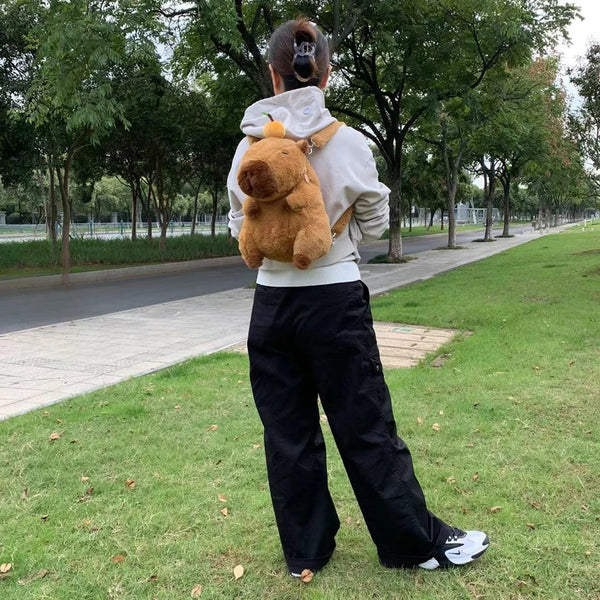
(320, 138)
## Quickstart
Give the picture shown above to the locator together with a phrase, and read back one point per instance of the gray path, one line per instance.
(43, 365)
(34, 302)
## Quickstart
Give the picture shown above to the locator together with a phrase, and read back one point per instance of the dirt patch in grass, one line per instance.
(592, 251)
(382, 259)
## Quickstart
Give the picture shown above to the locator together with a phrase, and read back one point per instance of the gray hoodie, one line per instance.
(348, 176)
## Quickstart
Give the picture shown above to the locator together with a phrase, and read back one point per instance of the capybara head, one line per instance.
(272, 167)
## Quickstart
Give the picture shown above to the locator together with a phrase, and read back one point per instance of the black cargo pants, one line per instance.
(318, 341)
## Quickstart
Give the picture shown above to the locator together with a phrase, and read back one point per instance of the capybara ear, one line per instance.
(303, 145)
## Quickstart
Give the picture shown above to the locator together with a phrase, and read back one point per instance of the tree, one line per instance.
(586, 123)
(449, 133)
(71, 101)
(429, 52)
(18, 149)
(394, 58)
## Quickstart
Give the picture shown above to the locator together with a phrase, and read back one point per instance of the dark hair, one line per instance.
(299, 52)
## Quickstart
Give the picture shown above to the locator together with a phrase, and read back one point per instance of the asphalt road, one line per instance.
(33, 308)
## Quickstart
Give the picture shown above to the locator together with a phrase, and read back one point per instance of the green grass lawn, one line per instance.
(127, 502)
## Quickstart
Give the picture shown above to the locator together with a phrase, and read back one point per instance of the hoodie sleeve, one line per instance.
(369, 196)
(236, 196)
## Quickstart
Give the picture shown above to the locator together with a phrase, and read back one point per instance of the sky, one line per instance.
(581, 32)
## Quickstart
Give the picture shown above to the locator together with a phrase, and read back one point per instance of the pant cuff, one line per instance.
(297, 565)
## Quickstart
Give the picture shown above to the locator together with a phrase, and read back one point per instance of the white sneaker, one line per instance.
(461, 548)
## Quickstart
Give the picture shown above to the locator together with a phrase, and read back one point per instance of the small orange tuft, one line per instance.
(274, 129)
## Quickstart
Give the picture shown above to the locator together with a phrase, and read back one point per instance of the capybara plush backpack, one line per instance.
(284, 212)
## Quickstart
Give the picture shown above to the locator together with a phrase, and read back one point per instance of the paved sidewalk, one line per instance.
(44, 365)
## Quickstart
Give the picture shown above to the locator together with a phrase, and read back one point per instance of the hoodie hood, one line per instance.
(302, 111)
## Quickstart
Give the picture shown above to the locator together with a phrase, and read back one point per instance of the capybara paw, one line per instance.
(301, 261)
(253, 262)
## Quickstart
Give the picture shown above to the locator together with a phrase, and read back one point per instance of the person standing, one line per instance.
(311, 338)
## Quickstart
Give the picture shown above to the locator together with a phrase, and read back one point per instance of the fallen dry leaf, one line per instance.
(118, 558)
(420, 420)
(306, 576)
(84, 478)
(5, 568)
(256, 446)
(24, 494)
(224, 512)
(222, 498)
(45, 517)
(531, 525)
(451, 480)
(178, 407)
(196, 591)
(54, 436)
(153, 578)
(130, 483)
(442, 413)
(536, 505)
(495, 509)
(212, 428)
(477, 595)
(476, 477)
(436, 427)
(238, 571)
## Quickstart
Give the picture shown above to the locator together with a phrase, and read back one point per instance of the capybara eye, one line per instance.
(284, 152)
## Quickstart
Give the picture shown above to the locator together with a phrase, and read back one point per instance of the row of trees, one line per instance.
(152, 92)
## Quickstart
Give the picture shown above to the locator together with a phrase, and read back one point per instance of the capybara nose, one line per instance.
(255, 179)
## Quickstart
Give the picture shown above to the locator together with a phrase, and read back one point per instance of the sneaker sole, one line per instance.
(446, 563)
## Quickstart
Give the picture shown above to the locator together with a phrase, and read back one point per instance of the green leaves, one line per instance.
(79, 46)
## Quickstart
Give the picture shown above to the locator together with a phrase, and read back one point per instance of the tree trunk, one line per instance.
(452, 169)
(195, 211)
(160, 203)
(395, 241)
(51, 210)
(148, 211)
(451, 214)
(213, 218)
(134, 204)
(491, 190)
(65, 254)
(506, 206)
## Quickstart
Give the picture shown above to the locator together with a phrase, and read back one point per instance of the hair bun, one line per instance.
(299, 53)
(305, 48)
